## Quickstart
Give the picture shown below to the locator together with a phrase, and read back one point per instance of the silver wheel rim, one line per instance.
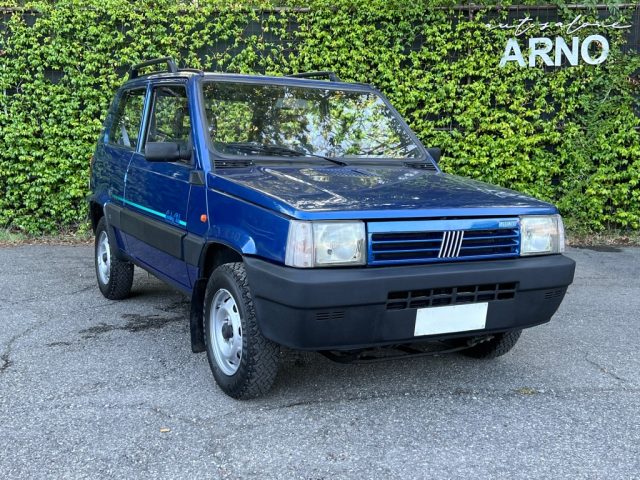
(226, 332)
(103, 257)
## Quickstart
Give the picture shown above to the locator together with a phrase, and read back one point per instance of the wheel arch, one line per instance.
(96, 212)
(214, 254)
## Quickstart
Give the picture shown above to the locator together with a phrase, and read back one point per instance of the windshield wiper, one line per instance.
(278, 150)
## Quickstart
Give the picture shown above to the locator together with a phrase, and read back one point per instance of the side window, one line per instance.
(170, 120)
(127, 119)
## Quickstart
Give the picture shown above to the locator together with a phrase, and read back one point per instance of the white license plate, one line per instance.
(450, 319)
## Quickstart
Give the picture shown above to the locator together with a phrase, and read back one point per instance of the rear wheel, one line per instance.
(500, 344)
(243, 362)
(115, 276)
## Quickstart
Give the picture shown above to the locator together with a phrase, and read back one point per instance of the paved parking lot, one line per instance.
(94, 388)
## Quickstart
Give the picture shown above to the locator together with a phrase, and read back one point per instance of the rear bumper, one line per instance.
(325, 309)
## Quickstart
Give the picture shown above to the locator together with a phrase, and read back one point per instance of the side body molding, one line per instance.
(171, 240)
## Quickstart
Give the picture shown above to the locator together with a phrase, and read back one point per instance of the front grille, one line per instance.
(442, 240)
(435, 297)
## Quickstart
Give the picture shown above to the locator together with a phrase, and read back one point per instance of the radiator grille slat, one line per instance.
(427, 241)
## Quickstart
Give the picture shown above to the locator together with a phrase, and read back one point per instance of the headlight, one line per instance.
(541, 234)
(325, 244)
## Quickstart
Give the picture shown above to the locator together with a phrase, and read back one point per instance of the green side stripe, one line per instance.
(147, 209)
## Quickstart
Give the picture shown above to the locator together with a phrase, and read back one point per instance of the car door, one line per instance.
(119, 141)
(157, 192)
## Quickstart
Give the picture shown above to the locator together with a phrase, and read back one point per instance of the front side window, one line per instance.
(276, 120)
(125, 126)
(170, 120)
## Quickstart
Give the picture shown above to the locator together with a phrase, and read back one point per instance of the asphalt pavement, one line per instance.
(91, 388)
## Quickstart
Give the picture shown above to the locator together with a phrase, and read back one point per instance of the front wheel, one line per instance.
(243, 362)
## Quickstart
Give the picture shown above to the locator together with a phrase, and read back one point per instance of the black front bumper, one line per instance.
(330, 309)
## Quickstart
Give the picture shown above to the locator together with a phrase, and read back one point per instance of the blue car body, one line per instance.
(168, 218)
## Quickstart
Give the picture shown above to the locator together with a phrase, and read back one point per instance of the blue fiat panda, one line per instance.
(302, 211)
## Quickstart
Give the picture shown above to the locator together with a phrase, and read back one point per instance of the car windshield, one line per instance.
(248, 119)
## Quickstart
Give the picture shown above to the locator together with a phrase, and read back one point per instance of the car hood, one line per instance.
(370, 192)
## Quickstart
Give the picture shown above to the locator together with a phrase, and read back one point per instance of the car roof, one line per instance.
(246, 78)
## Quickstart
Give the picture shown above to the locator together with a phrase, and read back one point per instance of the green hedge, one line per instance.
(567, 135)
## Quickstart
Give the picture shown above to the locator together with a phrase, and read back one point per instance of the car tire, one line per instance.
(500, 344)
(114, 276)
(243, 362)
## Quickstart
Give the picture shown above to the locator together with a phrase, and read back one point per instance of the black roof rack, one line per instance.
(331, 76)
(134, 71)
(194, 70)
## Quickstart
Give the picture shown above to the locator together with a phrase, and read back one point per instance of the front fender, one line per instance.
(233, 237)
(246, 227)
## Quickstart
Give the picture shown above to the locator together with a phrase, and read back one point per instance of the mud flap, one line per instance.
(196, 318)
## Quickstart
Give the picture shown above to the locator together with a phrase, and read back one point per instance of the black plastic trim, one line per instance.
(134, 71)
(196, 177)
(196, 322)
(331, 76)
(153, 232)
(193, 246)
(112, 213)
(327, 309)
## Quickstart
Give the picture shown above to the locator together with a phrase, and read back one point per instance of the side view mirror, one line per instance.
(435, 153)
(166, 152)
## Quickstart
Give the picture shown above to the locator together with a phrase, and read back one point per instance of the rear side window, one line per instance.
(127, 119)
